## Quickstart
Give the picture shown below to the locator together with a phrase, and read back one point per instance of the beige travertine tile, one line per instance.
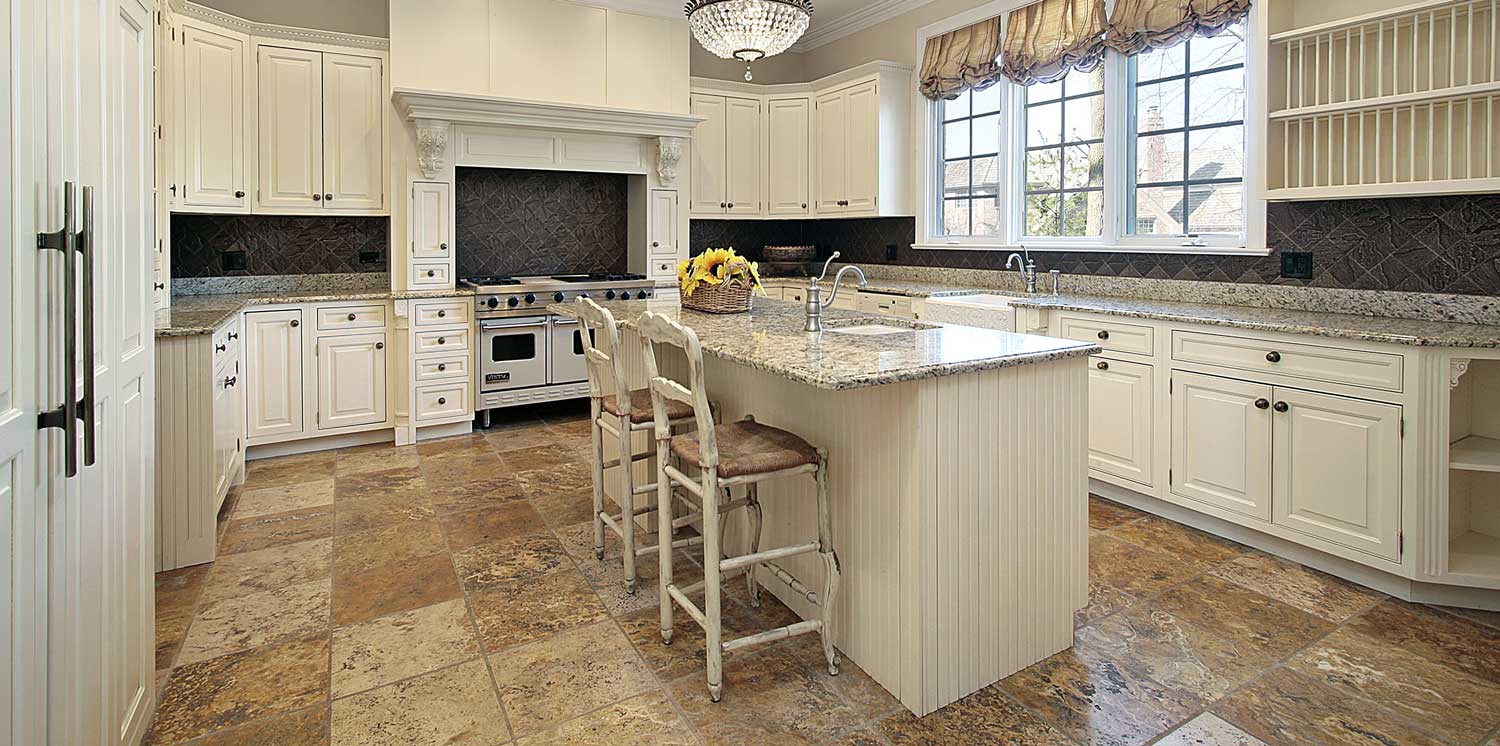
(1178, 540)
(250, 534)
(1206, 729)
(454, 706)
(647, 720)
(1134, 569)
(1439, 637)
(236, 575)
(177, 594)
(498, 523)
(396, 481)
(984, 717)
(237, 688)
(364, 550)
(1105, 515)
(245, 622)
(381, 510)
(557, 679)
(385, 589)
(1232, 612)
(500, 562)
(1285, 707)
(303, 467)
(377, 457)
(1303, 587)
(306, 727)
(390, 648)
(262, 501)
(523, 611)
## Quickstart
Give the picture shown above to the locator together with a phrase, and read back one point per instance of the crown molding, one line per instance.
(853, 22)
(836, 80)
(275, 31)
(662, 8)
(466, 108)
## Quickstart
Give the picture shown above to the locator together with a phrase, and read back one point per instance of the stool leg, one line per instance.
(627, 501)
(596, 436)
(712, 554)
(752, 512)
(831, 566)
(664, 528)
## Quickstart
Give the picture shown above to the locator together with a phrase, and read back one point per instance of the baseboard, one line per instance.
(325, 443)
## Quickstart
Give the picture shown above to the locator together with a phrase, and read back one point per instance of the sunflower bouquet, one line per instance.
(718, 281)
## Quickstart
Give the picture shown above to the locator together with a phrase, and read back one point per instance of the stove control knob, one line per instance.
(492, 302)
(609, 295)
(643, 294)
(530, 298)
(557, 297)
(513, 301)
(625, 295)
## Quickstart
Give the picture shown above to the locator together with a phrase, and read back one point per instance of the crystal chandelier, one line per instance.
(748, 30)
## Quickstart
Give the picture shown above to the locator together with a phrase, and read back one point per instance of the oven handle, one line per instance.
(564, 321)
(496, 325)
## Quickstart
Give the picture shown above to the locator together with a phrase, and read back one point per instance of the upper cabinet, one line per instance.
(213, 146)
(838, 147)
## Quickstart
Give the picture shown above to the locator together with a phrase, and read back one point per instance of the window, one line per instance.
(971, 164)
(1188, 137)
(1145, 153)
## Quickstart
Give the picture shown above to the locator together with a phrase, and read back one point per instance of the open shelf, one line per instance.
(1474, 553)
(1473, 530)
(1475, 453)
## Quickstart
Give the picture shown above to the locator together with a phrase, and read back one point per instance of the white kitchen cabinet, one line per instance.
(788, 156)
(726, 156)
(213, 167)
(290, 107)
(862, 141)
(831, 173)
(708, 153)
(431, 220)
(320, 132)
(228, 424)
(662, 234)
(273, 364)
(856, 130)
(1121, 414)
(1221, 443)
(1337, 470)
(351, 380)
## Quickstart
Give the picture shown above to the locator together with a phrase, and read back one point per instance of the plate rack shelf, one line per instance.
(1400, 102)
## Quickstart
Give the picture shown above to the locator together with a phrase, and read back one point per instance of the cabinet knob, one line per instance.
(239, 194)
(352, 317)
(1101, 365)
(220, 348)
(443, 246)
(723, 205)
(442, 340)
(655, 244)
(1103, 334)
(442, 400)
(441, 314)
(442, 367)
(1273, 357)
(317, 198)
(1262, 404)
(379, 345)
(296, 323)
(432, 273)
(328, 197)
(1282, 406)
(804, 205)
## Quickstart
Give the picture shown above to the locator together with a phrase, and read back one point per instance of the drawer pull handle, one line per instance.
(352, 317)
(1273, 357)
(442, 367)
(220, 348)
(234, 335)
(1101, 365)
(432, 273)
(441, 314)
(1103, 334)
(379, 345)
(442, 400)
(296, 323)
(442, 340)
(230, 381)
(1282, 406)
(1262, 404)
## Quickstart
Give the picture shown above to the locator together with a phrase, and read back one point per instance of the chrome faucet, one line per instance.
(815, 303)
(1026, 266)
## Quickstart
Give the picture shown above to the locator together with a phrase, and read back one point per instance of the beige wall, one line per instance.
(783, 68)
(367, 17)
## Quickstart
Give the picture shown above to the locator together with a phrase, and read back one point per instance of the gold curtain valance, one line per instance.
(1137, 25)
(961, 60)
(1045, 40)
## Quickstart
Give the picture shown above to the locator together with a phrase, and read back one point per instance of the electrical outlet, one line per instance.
(233, 260)
(1297, 265)
(371, 256)
(890, 252)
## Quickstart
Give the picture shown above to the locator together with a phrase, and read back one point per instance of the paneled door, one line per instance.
(290, 129)
(1221, 443)
(214, 168)
(788, 146)
(662, 226)
(431, 220)
(1120, 419)
(353, 116)
(862, 141)
(1337, 470)
(742, 161)
(351, 380)
(273, 373)
(832, 154)
(708, 152)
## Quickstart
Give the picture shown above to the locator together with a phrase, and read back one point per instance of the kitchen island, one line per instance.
(958, 478)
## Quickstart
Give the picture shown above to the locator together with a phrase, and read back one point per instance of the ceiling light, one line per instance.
(748, 30)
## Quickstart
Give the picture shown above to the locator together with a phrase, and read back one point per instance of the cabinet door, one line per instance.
(788, 168)
(1337, 470)
(431, 220)
(214, 141)
(351, 380)
(1120, 419)
(663, 222)
(291, 129)
(832, 120)
(224, 387)
(1221, 443)
(353, 160)
(273, 370)
(742, 161)
(862, 143)
(708, 156)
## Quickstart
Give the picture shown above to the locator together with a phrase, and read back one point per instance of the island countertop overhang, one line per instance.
(770, 338)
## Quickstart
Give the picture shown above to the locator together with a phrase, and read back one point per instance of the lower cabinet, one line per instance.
(273, 369)
(1120, 418)
(351, 380)
(1221, 443)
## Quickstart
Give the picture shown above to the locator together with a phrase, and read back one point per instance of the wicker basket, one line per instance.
(789, 253)
(728, 297)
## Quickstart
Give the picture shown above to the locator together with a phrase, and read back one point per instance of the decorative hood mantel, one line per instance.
(435, 112)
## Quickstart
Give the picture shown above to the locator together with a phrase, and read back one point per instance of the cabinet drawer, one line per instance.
(447, 313)
(794, 294)
(351, 317)
(663, 268)
(443, 401)
(1376, 370)
(448, 340)
(431, 274)
(885, 305)
(1111, 335)
(442, 367)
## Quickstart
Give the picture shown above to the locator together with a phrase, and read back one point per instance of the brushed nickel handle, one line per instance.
(1262, 403)
(86, 247)
(1273, 357)
(1282, 406)
(65, 416)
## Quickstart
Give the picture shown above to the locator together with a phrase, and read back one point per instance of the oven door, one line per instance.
(566, 354)
(512, 353)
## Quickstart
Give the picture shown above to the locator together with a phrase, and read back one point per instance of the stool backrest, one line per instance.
(601, 350)
(655, 329)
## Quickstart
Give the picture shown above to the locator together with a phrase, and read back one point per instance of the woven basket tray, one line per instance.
(789, 253)
(728, 297)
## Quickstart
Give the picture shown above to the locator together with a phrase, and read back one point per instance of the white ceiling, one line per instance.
(825, 11)
(832, 19)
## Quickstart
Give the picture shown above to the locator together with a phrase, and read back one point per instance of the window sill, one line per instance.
(1097, 248)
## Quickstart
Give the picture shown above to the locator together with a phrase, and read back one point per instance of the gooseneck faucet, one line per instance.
(1027, 267)
(815, 303)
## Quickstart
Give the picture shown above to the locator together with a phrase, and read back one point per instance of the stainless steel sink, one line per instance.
(874, 326)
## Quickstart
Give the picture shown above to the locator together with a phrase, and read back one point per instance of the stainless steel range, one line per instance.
(527, 355)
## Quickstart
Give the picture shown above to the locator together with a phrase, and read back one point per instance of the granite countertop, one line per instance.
(191, 315)
(770, 338)
(1346, 326)
(890, 287)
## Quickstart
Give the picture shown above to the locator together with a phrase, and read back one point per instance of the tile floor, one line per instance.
(448, 594)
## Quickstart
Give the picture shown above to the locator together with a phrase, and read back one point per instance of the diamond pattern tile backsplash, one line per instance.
(516, 222)
(207, 245)
(1419, 244)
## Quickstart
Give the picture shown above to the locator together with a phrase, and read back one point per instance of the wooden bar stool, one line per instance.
(726, 456)
(620, 417)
